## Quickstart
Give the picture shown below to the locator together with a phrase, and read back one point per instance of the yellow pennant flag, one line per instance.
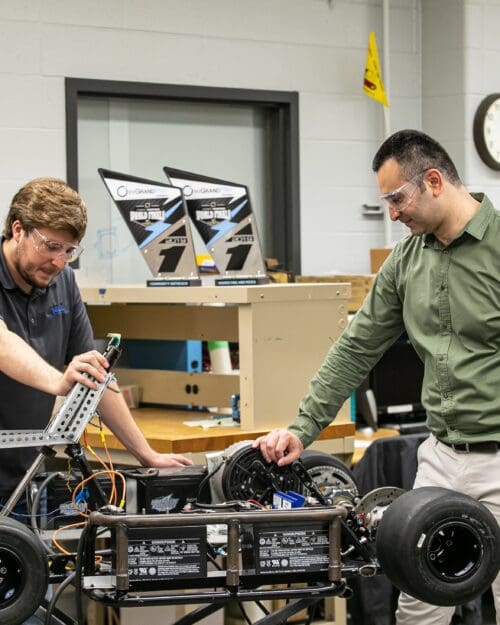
(372, 83)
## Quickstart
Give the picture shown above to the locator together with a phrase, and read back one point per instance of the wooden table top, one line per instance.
(166, 432)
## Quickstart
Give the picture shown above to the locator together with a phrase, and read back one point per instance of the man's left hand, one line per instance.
(168, 460)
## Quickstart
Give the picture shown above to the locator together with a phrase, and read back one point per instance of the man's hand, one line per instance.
(22, 363)
(280, 446)
(93, 363)
(168, 460)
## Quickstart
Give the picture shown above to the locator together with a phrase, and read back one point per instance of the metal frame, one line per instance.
(232, 584)
(283, 116)
(65, 428)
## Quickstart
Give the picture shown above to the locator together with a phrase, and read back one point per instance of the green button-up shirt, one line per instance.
(447, 298)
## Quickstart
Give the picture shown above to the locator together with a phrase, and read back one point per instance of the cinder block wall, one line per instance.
(315, 47)
(458, 71)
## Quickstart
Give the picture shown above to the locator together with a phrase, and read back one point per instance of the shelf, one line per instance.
(283, 332)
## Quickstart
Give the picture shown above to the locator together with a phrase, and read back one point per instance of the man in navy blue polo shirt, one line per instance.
(46, 342)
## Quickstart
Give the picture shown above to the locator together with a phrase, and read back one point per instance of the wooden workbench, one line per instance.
(166, 432)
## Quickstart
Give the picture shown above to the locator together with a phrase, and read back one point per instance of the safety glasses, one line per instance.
(54, 249)
(400, 198)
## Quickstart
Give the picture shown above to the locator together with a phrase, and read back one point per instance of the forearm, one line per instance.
(345, 367)
(116, 415)
(376, 326)
(21, 363)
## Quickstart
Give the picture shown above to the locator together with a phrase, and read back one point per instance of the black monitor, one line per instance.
(396, 384)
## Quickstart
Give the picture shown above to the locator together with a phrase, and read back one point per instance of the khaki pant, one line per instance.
(474, 474)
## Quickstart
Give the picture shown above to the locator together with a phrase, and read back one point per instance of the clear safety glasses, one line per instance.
(400, 198)
(54, 249)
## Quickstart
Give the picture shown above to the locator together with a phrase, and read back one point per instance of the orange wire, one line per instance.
(108, 458)
(83, 514)
(113, 493)
(60, 529)
(91, 477)
(97, 559)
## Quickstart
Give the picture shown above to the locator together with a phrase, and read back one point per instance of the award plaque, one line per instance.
(222, 214)
(155, 214)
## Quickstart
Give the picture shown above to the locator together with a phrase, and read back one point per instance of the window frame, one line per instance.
(283, 117)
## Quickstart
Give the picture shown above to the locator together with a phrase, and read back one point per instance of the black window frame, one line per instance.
(283, 109)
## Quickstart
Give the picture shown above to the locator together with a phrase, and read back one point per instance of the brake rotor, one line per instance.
(378, 498)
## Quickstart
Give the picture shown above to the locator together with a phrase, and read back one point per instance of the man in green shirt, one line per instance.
(441, 285)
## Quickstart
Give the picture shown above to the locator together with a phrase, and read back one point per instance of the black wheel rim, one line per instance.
(248, 476)
(453, 551)
(11, 577)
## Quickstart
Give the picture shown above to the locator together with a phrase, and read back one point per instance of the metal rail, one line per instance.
(234, 520)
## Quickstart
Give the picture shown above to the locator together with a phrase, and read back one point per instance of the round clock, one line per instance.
(487, 130)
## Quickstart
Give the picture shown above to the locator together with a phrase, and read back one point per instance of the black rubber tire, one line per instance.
(339, 475)
(24, 575)
(439, 546)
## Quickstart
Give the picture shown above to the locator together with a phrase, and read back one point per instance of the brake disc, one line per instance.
(378, 498)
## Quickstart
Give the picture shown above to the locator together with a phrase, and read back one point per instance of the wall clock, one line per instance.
(487, 130)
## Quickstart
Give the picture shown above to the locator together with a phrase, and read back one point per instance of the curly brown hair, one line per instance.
(50, 203)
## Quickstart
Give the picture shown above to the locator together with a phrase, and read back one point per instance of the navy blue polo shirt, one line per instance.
(54, 322)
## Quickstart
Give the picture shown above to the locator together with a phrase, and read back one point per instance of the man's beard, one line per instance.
(25, 275)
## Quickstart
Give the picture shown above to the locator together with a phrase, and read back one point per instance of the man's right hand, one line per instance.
(279, 446)
(92, 363)
(22, 363)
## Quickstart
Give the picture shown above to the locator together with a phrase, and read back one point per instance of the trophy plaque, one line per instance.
(155, 214)
(222, 214)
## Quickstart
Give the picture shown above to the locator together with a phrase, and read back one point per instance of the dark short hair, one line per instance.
(47, 202)
(415, 152)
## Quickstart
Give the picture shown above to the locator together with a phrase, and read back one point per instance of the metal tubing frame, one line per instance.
(221, 597)
(233, 520)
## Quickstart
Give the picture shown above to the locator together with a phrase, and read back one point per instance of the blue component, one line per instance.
(235, 408)
(82, 495)
(288, 500)
(163, 355)
(352, 405)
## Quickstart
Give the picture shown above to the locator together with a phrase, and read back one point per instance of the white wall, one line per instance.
(482, 77)
(458, 71)
(315, 47)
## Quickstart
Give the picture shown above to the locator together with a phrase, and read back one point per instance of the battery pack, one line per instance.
(169, 489)
(291, 548)
(159, 555)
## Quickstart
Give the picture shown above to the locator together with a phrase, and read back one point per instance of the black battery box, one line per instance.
(56, 507)
(149, 491)
(160, 491)
(157, 557)
(292, 548)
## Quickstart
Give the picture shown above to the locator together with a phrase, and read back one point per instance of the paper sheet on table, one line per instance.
(212, 423)
(361, 444)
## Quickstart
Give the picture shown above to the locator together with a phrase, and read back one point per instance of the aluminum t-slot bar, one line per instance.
(67, 425)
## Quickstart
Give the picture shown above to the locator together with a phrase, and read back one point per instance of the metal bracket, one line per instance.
(67, 425)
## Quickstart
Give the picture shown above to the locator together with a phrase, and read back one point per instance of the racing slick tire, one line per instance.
(24, 572)
(439, 546)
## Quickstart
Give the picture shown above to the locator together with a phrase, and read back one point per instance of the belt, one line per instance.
(485, 447)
